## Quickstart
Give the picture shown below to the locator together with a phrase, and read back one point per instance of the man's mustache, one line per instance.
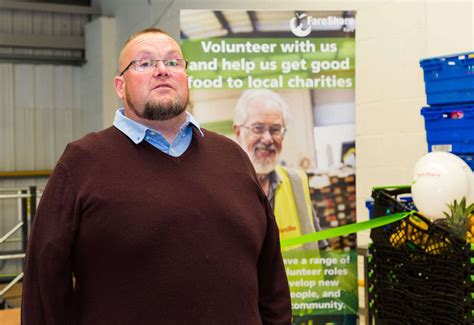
(262, 146)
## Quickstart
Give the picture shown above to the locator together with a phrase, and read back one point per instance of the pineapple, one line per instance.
(471, 223)
(459, 217)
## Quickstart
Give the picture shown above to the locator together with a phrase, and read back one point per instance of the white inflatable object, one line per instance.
(439, 179)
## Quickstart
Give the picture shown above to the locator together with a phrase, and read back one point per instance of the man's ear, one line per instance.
(236, 130)
(119, 84)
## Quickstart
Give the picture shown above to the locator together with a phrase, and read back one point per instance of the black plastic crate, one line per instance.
(419, 273)
(386, 202)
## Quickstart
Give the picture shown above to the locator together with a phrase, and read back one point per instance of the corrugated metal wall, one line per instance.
(40, 108)
(40, 111)
(41, 24)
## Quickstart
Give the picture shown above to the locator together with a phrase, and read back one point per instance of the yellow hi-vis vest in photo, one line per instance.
(293, 209)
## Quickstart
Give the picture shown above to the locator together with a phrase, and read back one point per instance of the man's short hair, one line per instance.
(265, 95)
(137, 34)
(144, 31)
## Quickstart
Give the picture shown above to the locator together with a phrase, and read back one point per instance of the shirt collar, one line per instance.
(274, 179)
(137, 131)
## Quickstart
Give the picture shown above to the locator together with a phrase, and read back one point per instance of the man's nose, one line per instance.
(267, 137)
(161, 69)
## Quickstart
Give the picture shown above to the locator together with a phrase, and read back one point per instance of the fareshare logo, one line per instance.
(300, 25)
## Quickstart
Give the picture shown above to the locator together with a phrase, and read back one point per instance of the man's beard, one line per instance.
(159, 110)
(268, 164)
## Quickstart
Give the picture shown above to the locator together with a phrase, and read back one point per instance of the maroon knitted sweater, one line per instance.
(154, 239)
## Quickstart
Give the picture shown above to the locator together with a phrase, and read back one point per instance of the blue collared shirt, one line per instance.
(138, 132)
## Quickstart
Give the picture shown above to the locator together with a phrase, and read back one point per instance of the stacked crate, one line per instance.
(419, 272)
(449, 118)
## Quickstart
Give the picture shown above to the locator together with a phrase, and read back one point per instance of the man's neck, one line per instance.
(169, 128)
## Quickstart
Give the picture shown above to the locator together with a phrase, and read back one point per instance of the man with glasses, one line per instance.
(154, 220)
(260, 127)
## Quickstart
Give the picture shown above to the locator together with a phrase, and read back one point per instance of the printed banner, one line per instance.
(281, 84)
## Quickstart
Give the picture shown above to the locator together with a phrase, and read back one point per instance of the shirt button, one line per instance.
(172, 150)
(152, 133)
(148, 138)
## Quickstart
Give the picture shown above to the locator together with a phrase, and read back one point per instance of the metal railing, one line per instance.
(27, 200)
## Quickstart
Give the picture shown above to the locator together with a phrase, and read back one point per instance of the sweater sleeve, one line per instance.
(274, 301)
(274, 294)
(47, 285)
